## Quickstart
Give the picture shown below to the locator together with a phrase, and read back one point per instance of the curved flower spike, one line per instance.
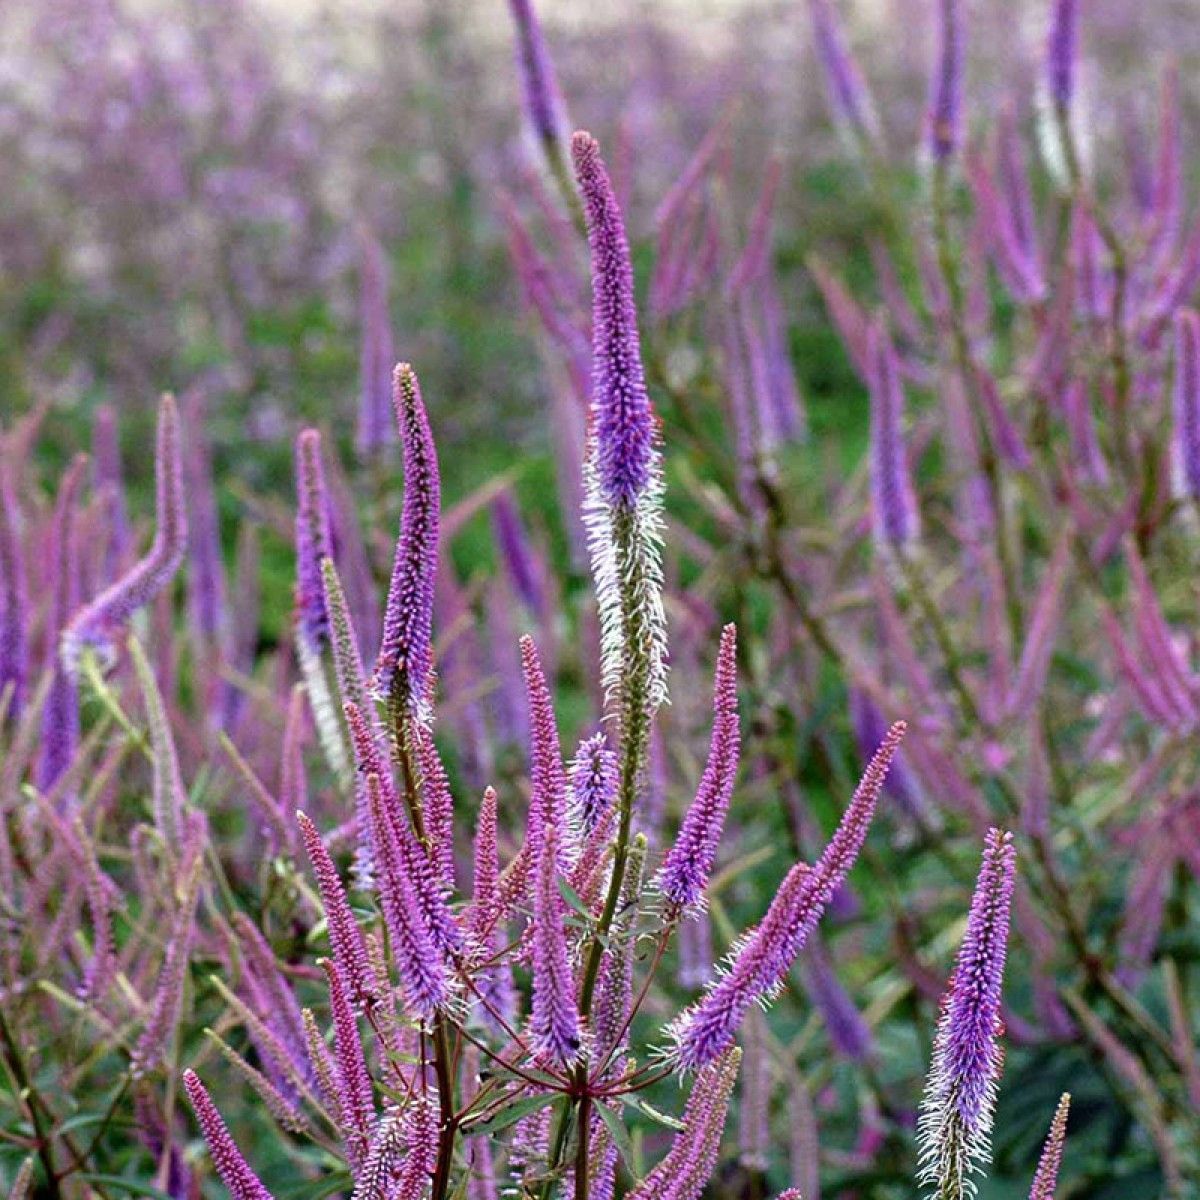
(234, 1170)
(1185, 428)
(765, 954)
(685, 871)
(406, 655)
(954, 1128)
(96, 625)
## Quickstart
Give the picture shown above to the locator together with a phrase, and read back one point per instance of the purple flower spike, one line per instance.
(356, 1101)
(548, 802)
(764, 955)
(233, 1169)
(1185, 430)
(944, 120)
(894, 516)
(345, 937)
(554, 1021)
(406, 654)
(60, 717)
(107, 483)
(685, 1170)
(96, 625)
(313, 541)
(1046, 1178)
(375, 350)
(544, 109)
(960, 1095)
(14, 594)
(624, 423)
(517, 554)
(1061, 50)
(593, 780)
(853, 107)
(422, 970)
(684, 874)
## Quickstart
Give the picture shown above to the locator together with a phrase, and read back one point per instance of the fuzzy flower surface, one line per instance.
(406, 653)
(765, 954)
(685, 871)
(554, 1022)
(894, 518)
(955, 1124)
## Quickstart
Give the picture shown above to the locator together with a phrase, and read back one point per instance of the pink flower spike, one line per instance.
(685, 871)
(1045, 1180)
(405, 663)
(554, 1023)
(96, 625)
(233, 1169)
(549, 796)
(356, 1101)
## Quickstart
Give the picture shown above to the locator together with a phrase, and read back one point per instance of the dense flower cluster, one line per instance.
(433, 995)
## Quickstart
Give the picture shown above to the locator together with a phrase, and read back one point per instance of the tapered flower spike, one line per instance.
(1045, 1180)
(593, 781)
(375, 347)
(944, 119)
(554, 1022)
(894, 516)
(345, 937)
(955, 1124)
(685, 871)
(406, 654)
(685, 1170)
(1185, 429)
(761, 960)
(623, 472)
(96, 626)
(60, 716)
(517, 554)
(484, 911)
(207, 602)
(14, 594)
(549, 797)
(853, 107)
(540, 93)
(314, 543)
(356, 1100)
(1061, 51)
(233, 1169)
(422, 970)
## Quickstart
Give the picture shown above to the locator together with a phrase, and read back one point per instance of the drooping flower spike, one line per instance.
(765, 954)
(235, 1172)
(402, 672)
(685, 871)
(955, 1124)
(14, 593)
(97, 625)
(1045, 1181)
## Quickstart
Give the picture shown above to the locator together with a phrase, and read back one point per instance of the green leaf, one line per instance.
(660, 1118)
(510, 1115)
(571, 896)
(131, 1187)
(620, 1136)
